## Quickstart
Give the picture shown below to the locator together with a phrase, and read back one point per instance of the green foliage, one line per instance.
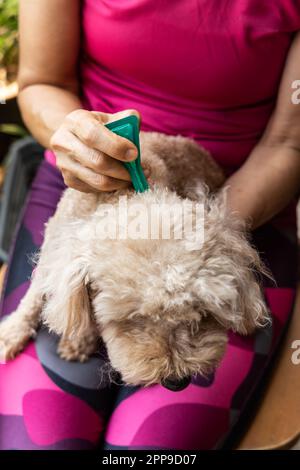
(9, 35)
(13, 130)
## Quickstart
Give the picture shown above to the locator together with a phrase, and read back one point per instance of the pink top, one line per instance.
(208, 69)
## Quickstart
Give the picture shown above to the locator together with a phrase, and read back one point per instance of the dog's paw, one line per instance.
(14, 336)
(77, 349)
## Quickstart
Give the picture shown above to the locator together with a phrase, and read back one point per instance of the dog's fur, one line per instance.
(162, 310)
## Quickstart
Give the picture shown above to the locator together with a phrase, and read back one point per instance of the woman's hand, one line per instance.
(89, 155)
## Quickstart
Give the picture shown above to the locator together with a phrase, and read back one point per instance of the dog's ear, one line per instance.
(247, 309)
(67, 309)
(227, 284)
(235, 301)
(78, 309)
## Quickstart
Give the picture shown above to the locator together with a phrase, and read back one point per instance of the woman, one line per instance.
(218, 71)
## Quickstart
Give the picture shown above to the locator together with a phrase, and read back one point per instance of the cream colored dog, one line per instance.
(162, 306)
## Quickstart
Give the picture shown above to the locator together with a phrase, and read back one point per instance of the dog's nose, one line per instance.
(176, 385)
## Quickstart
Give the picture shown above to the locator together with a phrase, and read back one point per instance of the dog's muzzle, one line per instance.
(176, 385)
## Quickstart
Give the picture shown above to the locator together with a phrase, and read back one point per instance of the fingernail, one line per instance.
(131, 154)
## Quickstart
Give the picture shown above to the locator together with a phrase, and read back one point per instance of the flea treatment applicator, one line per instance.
(129, 128)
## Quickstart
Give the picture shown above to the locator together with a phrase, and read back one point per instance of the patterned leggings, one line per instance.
(48, 403)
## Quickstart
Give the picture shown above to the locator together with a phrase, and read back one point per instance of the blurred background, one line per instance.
(8, 40)
(19, 153)
(11, 126)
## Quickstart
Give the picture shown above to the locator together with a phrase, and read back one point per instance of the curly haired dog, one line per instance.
(162, 306)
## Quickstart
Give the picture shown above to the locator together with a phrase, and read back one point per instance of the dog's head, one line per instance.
(164, 304)
(164, 307)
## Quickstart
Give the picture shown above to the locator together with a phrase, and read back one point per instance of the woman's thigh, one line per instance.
(203, 415)
(46, 402)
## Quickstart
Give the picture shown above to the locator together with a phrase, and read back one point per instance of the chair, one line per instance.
(276, 422)
(23, 159)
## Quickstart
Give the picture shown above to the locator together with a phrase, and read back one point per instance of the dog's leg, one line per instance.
(21, 325)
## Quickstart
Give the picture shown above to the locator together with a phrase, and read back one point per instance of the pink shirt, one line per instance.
(208, 69)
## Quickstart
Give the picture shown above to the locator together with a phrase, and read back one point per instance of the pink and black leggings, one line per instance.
(48, 403)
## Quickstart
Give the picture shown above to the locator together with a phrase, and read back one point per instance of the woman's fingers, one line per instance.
(89, 155)
(93, 133)
(92, 158)
(108, 117)
(73, 171)
(73, 182)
